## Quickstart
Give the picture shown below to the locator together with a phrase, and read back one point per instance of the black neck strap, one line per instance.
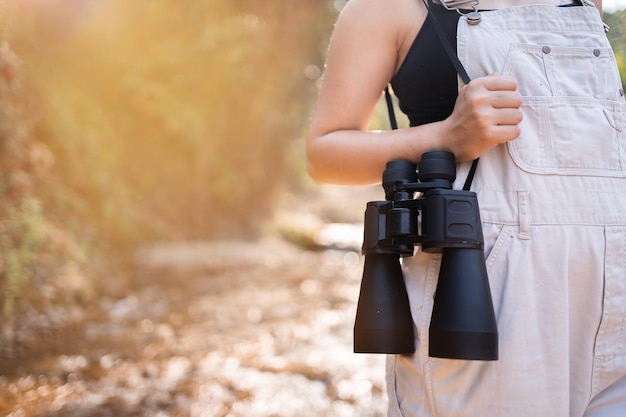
(445, 42)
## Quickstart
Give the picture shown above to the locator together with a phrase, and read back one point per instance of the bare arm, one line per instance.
(363, 56)
(361, 60)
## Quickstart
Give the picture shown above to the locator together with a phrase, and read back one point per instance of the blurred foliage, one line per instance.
(124, 122)
(617, 23)
(34, 254)
(172, 118)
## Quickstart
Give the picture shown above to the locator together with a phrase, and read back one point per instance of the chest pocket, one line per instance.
(574, 111)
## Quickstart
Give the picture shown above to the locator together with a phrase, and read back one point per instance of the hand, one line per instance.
(487, 113)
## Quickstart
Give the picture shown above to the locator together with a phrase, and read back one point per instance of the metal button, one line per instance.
(473, 18)
(546, 49)
(596, 52)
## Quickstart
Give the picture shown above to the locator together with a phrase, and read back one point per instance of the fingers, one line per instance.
(500, 90)
(495, 82)
(505, 99)
(487, 113)
(495, 92)
(503, 133)
(507, 116)
(498, 125)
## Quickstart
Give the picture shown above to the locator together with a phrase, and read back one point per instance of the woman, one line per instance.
(545, 112)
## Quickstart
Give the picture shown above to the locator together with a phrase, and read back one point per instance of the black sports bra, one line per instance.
(426, 84)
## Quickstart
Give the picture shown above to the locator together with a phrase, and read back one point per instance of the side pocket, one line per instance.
(491, 232)
(498, 263)
(497, 238)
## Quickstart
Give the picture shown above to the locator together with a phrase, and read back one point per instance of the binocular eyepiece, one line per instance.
(463, 324)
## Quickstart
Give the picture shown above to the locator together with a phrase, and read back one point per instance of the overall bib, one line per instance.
(553, 206)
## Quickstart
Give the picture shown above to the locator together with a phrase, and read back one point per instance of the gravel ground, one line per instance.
(228, 328)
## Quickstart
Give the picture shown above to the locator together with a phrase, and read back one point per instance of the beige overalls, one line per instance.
(553, 205)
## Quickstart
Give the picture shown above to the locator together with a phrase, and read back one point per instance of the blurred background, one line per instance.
(162, 250)
(133, 122)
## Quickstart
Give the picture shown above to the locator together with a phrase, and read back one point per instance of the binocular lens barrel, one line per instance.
(383, 321)
(463, 323)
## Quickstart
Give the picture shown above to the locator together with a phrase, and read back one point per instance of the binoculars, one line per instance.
(463, 323)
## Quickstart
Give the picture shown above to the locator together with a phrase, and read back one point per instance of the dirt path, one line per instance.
(235, 328)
